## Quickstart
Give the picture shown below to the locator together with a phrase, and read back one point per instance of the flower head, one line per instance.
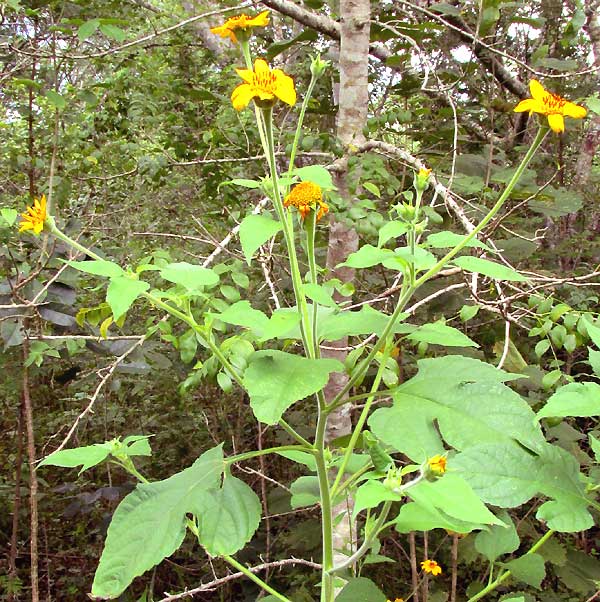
(396, 600)
(241, 25)
(437, 465)
(422, 179)
(431, 566)
(552, 105)
(35, 216)
(264, 85)
(307, 197)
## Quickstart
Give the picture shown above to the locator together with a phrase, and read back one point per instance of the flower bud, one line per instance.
(422, 179)
(406, 211)
(318, 66)
(434, 468)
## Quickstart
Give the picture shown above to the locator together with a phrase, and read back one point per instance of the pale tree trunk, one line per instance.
(352, 118)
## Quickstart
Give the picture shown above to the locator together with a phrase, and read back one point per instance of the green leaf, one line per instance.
(243, 314)
(529, 568)
(371, 494)
(367, 256)
(362, 589)
(498, 540)
(415, 517)
(446, 239)
(593, 104)
(191, 277)
(593, 331)
(150, 523)
(574, 399)
(305, 492)
(316, 174)
(86, 457)
(137, 445)
(468, 312)
(87, 29)
(275, 380)
(506, 475)
(455, 497)
(318, 294)
(594, 359)
(372, 188)
(113, 32)
(443, 396)
(391, 230)
(9, 215)
(595, 445)
(256, 230)
(56, 99)
(98, 267)
(122, 292)
(488, 268)
(438, 333)
(301, 458)
(228, 518)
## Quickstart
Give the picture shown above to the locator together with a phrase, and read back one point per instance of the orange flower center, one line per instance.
(554, 103)
(264, 81)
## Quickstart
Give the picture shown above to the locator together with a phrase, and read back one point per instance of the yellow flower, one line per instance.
(34, 217)
(264, 86)
(242, 24)
(424, 172)
(437, 465)
(552, 105)
(396, 600)
(307, 197)
(431, 566)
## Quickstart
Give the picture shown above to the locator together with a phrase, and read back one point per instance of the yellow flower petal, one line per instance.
(246, 74)
(241, 96)
(284, 88)
(261, 20)
(261, 68)
(570, 109)
(526, 105)
(537, 90)
(557, 123)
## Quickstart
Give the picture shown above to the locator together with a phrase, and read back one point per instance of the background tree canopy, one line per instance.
(119, 112)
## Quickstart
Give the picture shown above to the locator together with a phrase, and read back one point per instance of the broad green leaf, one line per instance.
(275, 380)
(593, 331)
(468, 312)
(113, 32)
(438, 333)
(243, 314)
(595, 445)
(316, 174)
(191, 277)
(455, 497)
(86, 457)
(122, 292)
(371, 494)
(137, 445)
(301, 458)
(446, 239)
(87, 29)
(415, 517)
(56, 99)
(439, 392)
(594, 359)
(391, 230)
(372, 188)
(367, 256)
(593, 103)
(150, 523)
(318, 294)
(9, 215)
(281, 324)
(498, 540)
(362, 589)
(574, 399)
(488, 268)
(529, 569)
(228, 518)
(256, 230)
(402, 257)
(98, 267)
(305, 492)
(506, 475)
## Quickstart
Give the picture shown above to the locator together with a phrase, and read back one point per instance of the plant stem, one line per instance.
(240, 567)
(266, 451)
(504, 576)
(292, 432)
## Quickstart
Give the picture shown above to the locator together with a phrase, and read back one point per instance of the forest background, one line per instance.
(120, 110)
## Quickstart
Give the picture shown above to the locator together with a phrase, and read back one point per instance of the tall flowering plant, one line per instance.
(423, 462)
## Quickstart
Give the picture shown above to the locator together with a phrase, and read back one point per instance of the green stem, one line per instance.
(504, 576)
(361, 420)
(73, 243)
(292, 432)
(264, 452)
(288, 234)
(131, 469)
(327, 587)
(240, 567)
(361, 369)
(310, 228)
(367, 543)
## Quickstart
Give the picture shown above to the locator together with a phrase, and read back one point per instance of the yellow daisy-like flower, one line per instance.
(552, 105)
(396, 600)
(242, 25)
(432, 567)
(307, 197)
(437, 465)
(35, 216)
(264, 86)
